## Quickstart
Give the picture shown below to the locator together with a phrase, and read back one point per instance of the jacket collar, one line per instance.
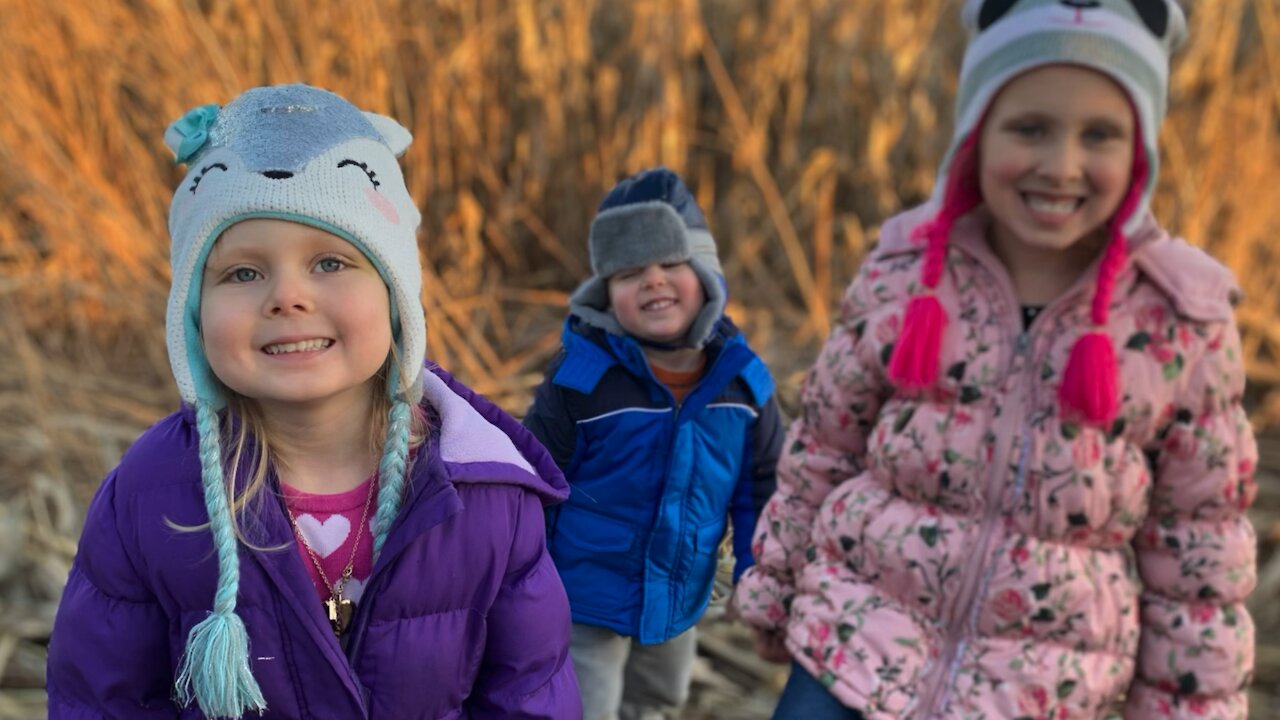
(591, 351)
(1198, 286)
(626, 351)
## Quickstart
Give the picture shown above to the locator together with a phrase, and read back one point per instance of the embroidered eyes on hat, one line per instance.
(1129, 41)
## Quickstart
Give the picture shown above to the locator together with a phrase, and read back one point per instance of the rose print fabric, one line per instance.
(968, 553)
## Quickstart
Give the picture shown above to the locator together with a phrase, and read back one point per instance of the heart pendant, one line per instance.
(339, 611)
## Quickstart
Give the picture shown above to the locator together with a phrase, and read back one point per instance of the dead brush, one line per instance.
(801, 125)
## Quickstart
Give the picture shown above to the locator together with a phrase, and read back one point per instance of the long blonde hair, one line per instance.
(244, 435)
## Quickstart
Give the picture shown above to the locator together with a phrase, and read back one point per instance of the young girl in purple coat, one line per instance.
(327, 528)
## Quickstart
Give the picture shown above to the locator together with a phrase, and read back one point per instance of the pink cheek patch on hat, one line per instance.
(383, 205)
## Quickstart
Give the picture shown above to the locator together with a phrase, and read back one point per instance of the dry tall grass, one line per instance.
(800, 124)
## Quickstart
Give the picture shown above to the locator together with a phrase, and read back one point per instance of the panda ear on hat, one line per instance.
(396, 136)
(1164, 19)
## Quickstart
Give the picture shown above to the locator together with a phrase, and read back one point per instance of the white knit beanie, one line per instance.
(1129, 41)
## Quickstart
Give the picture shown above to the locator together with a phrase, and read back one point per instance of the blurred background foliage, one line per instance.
(800, 126)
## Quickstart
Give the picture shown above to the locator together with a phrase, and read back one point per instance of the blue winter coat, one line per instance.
(463, 617)
(651, 481)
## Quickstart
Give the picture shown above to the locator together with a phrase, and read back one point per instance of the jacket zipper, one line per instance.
(963, 623)
(359, 622)
(964, 608)
(342, 650)
(358, 625)
(676, 408)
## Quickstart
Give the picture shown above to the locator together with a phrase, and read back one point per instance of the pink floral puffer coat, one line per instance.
(969, 554)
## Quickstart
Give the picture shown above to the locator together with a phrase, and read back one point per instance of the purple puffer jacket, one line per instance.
(464, 615)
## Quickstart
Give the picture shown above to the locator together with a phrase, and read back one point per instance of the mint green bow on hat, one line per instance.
(190, 132)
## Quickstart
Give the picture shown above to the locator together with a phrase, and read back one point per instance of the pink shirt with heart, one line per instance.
(327, 522)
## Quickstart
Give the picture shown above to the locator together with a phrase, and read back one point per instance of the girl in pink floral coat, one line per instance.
(1018, 485)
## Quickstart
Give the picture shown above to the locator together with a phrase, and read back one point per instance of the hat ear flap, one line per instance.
(993, 10)
(395, 135)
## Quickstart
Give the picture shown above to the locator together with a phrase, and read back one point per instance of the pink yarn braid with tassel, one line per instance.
(1090, 386)
(917, 353)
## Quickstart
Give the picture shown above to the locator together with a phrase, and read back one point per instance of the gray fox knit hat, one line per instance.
(650, 217)
(306, 155)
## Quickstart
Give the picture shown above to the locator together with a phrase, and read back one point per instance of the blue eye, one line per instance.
(243, 275)
(330, 265)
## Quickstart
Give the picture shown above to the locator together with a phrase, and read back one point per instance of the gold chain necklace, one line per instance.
(339, 609)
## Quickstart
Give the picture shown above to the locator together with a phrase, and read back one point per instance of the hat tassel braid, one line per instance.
(214, 669)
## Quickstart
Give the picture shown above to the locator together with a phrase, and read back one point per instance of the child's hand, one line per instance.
(771, 646)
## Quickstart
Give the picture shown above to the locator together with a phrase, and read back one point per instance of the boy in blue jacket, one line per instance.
(665, 424)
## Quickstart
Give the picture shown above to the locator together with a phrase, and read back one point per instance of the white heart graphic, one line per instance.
(353, 590)
(324, 537)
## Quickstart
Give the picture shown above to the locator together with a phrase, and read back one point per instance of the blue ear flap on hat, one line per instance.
(393, 133)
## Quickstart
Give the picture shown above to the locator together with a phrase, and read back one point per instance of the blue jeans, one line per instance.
(804, 698)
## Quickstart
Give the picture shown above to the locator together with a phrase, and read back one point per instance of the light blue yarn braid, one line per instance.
(215, 665)
(391, 471)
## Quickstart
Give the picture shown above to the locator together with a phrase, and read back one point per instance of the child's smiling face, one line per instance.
(657, 302)
(1056, 156)
(291, 314)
